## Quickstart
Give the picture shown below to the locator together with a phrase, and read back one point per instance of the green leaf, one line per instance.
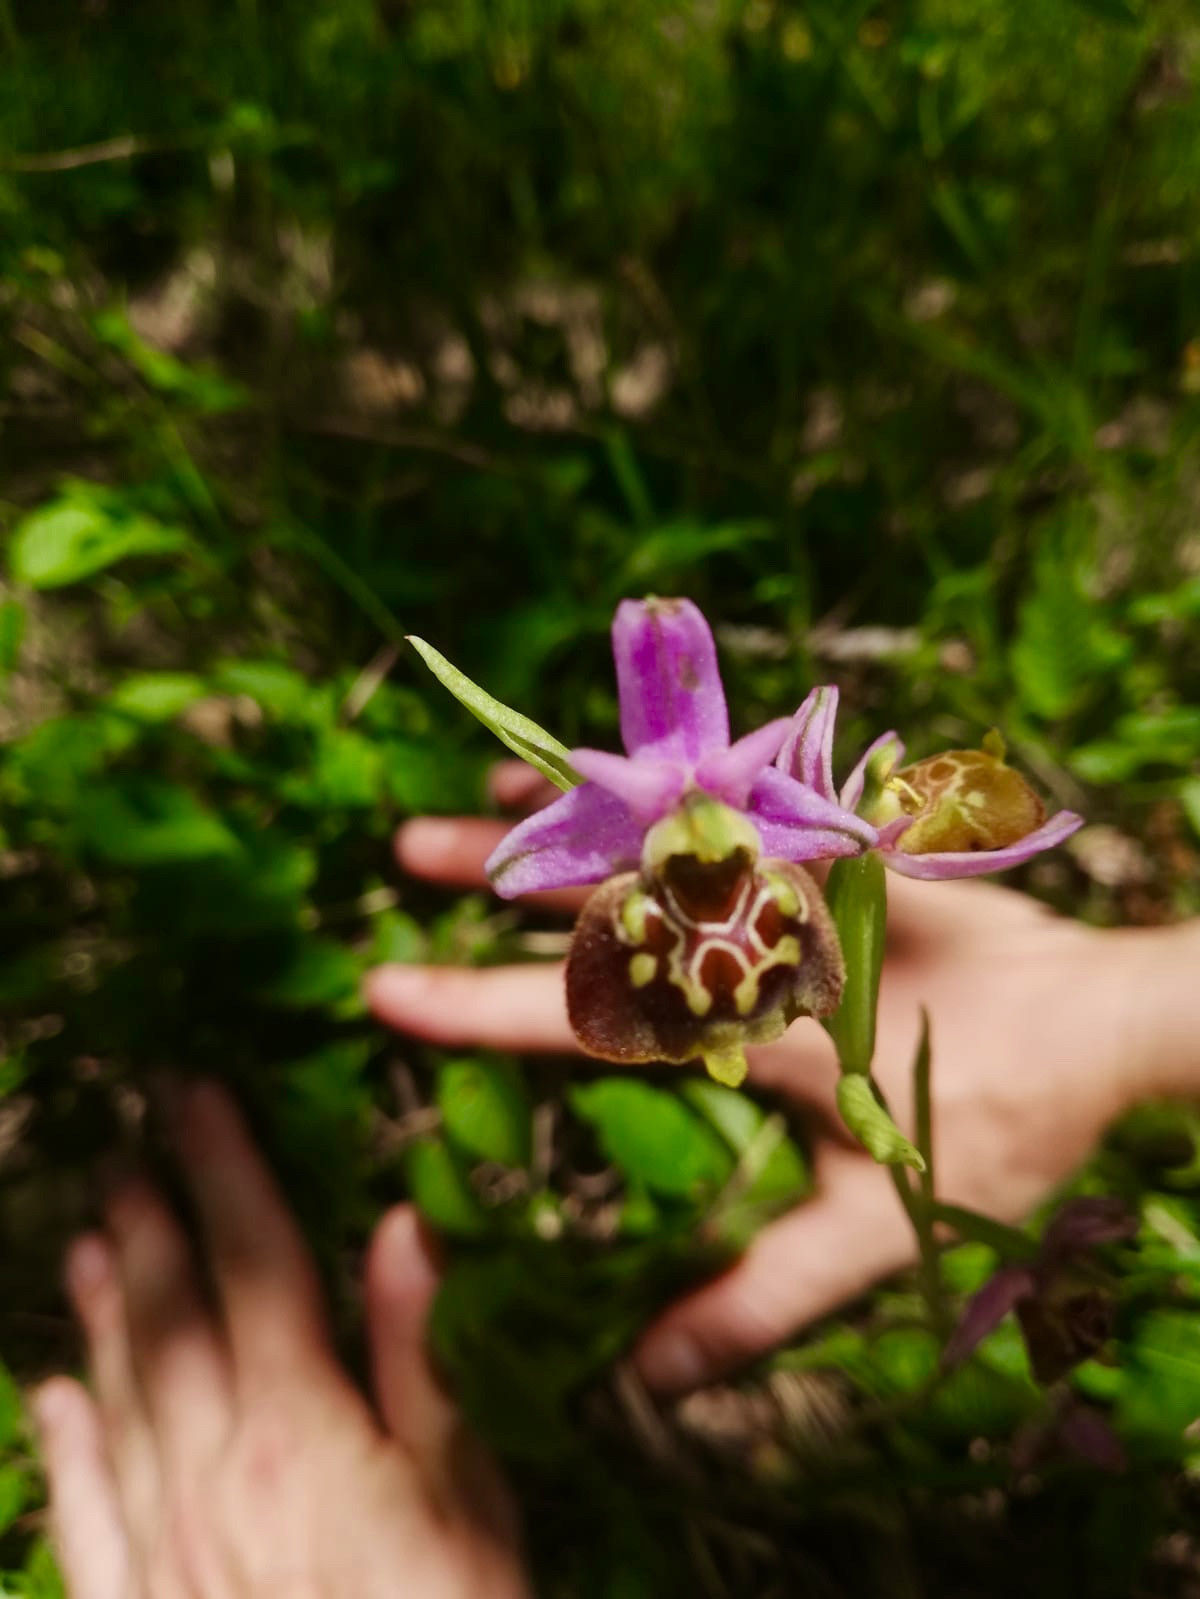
(315, 971)
(12, 631)
(780, 1169)
(872, 1126)
(14, 1494)
(147, 821)
(856, 893)
(485, 1110)
(1118, 11)
(81, 534)
(11, 1409)
(1064, 647)
(282, 693)
(525, 738)
(157, 696)
(652, 1136)
(442, 1191)
(1189, 798)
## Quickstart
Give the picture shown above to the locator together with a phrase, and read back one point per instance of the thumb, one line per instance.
(798, 1269)
(401, 1281)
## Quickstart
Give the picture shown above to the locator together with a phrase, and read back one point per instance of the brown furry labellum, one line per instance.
(700, 959)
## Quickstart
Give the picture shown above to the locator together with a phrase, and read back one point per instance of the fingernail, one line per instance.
(88, 1265)
(672, 1362)
(425, 836)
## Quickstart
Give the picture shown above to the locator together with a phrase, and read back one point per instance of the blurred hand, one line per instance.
(1037, 1043)
(225, 1454)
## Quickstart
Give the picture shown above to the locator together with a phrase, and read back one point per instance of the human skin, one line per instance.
(222, 1452)
(1043, 1030)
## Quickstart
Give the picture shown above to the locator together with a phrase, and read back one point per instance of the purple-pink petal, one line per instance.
(807, 754)
(730, 774)
(1086, 1222)
(975, 863)
(672, 702)
(987, 1309)
(852, 788)
(648, 787)
(584, 837)
(796, 823)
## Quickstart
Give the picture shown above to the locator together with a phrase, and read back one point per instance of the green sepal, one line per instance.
(872, 1126)
(525, 738)
(856, 893)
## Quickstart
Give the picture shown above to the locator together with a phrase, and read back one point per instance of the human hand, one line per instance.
(225, 1454)
(1038, 1040)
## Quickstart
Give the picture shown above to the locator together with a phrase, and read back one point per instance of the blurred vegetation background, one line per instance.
(873, 327)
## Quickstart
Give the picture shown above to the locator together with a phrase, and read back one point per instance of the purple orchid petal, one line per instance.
(808, 753)
(852, 788)
(647, 787)
(796, 824)
(987, 1309)
(1084, 1432)
(584, 837)
(975, 863)
(1085, 1223)
(672, 702)
(730, 774)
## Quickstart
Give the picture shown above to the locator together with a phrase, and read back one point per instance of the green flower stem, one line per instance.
(856, 892)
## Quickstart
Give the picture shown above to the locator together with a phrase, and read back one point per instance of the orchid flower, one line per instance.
(958, 814)
(675, 728)
(1062, 1299)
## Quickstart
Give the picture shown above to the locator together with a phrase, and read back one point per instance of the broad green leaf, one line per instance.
(157, 696)
(524, 737)
(80, 534)
(1121, 12)
(872, 1126)
(485, 1109)
(283, 693)
(652, 1136)
(441, 1190)
(147, 821)
(779, 1169)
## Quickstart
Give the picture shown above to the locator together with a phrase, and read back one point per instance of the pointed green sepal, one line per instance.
(872, 1126)
(524, 737)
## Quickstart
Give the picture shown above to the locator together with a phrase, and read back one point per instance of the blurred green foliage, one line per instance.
(873, 327)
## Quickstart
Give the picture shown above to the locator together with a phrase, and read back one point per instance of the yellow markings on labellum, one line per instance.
(671, 943)
(643, 968)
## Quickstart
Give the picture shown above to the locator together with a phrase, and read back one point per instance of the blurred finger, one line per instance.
(500, 1007)
(518, 787)
(798, 1269)
(401, 1280)
(453, 850)
(89, 1537)
(270, 1296)
(178, 1360)
(94, 1285)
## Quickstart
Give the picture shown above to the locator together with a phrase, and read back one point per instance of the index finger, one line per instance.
(454, 849)
(263, 1273)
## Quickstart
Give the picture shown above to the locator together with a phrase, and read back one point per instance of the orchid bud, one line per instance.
(962, 800)
(704, 951)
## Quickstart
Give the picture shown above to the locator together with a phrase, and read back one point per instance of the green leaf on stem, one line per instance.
(524, 737)
(872, 1126)
(856, 894)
